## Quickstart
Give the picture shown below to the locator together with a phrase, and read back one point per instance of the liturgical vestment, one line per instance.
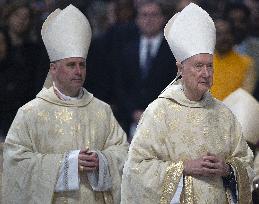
(174, 129)
(43, 131)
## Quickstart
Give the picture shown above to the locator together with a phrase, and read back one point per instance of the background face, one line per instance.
(240, 24)
(19, 20)
(224, 36)
(150, 19)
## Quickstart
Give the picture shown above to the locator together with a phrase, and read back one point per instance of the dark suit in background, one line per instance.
(135, 92)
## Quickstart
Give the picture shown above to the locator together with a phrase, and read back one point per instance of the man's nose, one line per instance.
(78, 69)
(206, 71)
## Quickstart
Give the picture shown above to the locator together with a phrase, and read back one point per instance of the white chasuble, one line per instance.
(43, 132)
(174, 129)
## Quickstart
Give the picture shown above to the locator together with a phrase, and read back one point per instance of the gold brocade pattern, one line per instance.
(188, 195)
(172, 178)
(64, 115)
(43, 131)
(174, 129)
(244, 192)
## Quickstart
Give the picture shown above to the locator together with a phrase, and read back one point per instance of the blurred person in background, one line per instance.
(231, 69)
(105, 48)
(181, 4)
(113, 27)
(144, 65)
(238, 14)
(101, 16)
(19, 27)
(18, 77)
(250, 46)
(82, 5)
(214, 8)
(7, 91)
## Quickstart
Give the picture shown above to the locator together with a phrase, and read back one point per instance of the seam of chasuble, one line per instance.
(171, 181)
(244, 191)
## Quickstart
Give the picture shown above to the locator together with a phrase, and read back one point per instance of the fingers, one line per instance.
(84, 168)
(211, 158)
(215, 168)
(209, 165)
(211, 172)
(84, 151)
(88, 161)
(87, 157)
(88, 164)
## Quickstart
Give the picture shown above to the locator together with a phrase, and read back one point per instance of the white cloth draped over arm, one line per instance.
(100, 180)
(69, 178)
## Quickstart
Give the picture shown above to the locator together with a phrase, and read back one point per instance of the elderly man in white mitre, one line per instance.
(188, 147)
(65, 146)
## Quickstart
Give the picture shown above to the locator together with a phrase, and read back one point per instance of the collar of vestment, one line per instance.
(175, 93)
(67, 98)
(50, 96)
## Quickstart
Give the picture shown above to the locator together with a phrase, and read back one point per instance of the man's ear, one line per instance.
(53, 67)
(180, 68)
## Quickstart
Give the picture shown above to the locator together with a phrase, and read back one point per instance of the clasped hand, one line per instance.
(209, 165)
(88, 160)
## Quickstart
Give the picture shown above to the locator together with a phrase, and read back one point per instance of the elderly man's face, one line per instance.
(197, 75)
(69, 75)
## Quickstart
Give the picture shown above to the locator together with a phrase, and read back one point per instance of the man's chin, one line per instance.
(204, 89)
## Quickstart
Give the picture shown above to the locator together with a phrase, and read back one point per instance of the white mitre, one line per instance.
(246, 109)
(190, 32)
(66, 33)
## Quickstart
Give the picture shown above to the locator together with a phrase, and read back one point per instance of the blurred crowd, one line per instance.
(129, 62)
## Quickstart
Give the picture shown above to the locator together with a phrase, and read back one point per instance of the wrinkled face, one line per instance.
(197, 75)
(19, 20)
(150, 19)
(69, 75)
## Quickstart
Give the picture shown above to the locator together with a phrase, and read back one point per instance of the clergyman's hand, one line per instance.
(209, 165)
(218, 165)
(87, 160)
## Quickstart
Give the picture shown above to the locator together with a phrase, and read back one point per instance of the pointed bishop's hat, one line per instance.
(66, 33)
(190, 32)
